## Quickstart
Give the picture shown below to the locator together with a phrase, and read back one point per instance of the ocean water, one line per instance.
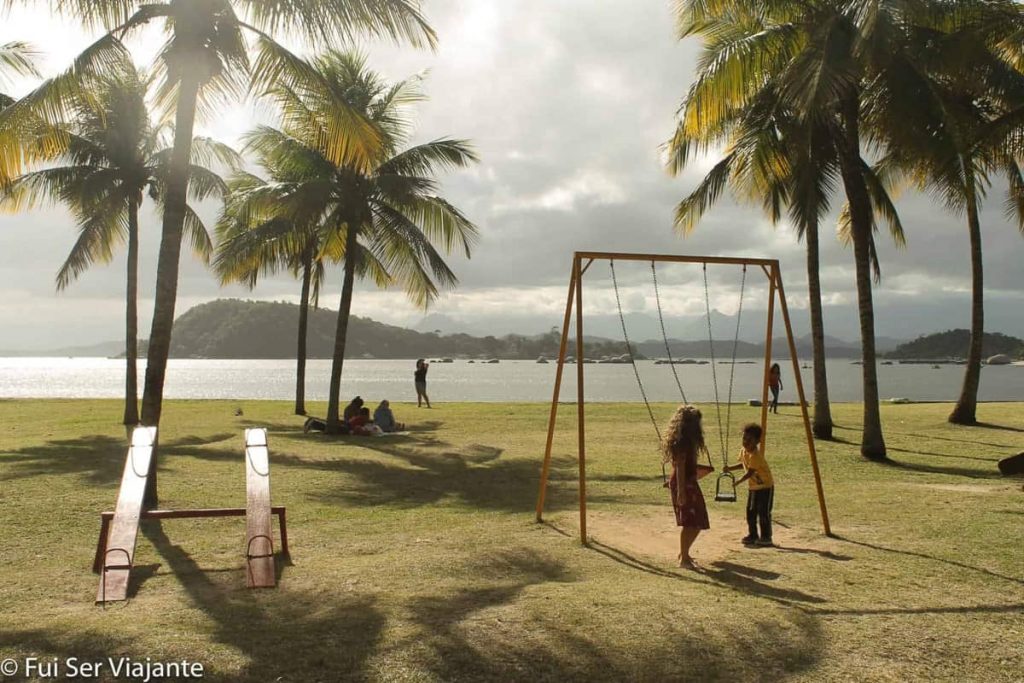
(520, 381)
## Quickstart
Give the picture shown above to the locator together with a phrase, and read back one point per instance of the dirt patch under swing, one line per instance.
(651, 531)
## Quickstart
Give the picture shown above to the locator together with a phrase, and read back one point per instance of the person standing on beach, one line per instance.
(775, 385)
(420, 380)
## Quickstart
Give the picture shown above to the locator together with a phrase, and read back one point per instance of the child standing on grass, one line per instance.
(683, 441)
(761, 496)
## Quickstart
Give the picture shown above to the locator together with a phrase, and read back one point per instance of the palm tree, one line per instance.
(772, 158)
(384, 216)
(252, 240)
(206, 59)
(111, 158)
(824, 58)
(960, 87)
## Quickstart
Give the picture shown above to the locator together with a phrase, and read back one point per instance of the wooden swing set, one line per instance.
(582, 260)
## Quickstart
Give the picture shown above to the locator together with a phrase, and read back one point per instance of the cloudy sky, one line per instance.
(567, 103)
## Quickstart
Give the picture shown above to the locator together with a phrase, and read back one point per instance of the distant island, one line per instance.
(953, 344)
(230, 328)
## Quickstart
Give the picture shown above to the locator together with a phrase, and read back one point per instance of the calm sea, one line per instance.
(464, 381)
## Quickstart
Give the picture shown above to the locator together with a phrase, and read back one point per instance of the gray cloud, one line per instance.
(567, 103)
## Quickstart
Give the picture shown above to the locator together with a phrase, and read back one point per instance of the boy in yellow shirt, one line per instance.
(761, 496)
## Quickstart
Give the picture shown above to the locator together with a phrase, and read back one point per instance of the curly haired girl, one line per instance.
(683, 441)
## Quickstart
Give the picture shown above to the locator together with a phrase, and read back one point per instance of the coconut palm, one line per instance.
(385, 217)
(252, 240)
(206, 59)
(960, 84)
(112, 157)
(822, 57)
(774, 159)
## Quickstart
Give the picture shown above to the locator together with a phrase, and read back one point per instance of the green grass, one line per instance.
(417, 558)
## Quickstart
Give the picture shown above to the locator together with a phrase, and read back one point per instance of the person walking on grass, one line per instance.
(761, 496)
(420, 380)
(775, 385)
(682, 444)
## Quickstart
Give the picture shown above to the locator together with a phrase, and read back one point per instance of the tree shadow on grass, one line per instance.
(931, 558)
(475, 475)
(278, 632)
(98, 458)
(941, 469)
(991, 425)
(992, 460)
(472, 635)
(937, 437)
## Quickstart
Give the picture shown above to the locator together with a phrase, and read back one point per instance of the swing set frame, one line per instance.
(582, 260)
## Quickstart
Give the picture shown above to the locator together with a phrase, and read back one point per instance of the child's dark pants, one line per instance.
(759, 510)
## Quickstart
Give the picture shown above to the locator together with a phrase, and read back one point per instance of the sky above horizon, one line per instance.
(567, 103)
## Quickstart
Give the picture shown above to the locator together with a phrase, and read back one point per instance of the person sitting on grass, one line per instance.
(361, 425)
(761, 494)
(385, 419)
(352, 409)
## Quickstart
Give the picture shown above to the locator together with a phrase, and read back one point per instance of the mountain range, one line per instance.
(228, 328)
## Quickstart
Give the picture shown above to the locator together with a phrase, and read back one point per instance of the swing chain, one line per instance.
(664, 335)
(732, 371)
(714, 372)
(632, 361)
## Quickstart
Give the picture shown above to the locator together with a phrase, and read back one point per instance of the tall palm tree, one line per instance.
(384, 215)
(112, 157)
(773, 159)
(823, 57)
(961, 85)
(252, 240)
(206, 59)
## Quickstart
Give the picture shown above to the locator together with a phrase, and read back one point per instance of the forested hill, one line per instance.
(229, 328)
(954, 344)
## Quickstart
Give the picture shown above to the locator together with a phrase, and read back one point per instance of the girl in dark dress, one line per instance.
(682, 443)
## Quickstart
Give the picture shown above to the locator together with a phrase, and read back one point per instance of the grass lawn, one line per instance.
(417, 557)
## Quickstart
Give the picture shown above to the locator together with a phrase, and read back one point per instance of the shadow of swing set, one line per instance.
(725, 488)
(115, 549)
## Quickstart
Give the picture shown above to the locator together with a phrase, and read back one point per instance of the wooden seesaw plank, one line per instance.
(259, 545)
(119, 554)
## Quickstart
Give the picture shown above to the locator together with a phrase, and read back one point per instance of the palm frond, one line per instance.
(690, 210)
(101, 226)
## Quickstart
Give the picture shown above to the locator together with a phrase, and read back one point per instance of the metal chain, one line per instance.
(732, 372)
(664, 335)
(632, 361)
(714, 372)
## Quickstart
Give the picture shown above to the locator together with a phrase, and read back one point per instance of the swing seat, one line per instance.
(725, 488)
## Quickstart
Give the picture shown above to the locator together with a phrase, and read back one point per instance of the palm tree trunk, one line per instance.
(872, 444)
(822, 426)
(965, 410)
(131, 343)
(341, 333)
(167, 267)
(300, 352)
